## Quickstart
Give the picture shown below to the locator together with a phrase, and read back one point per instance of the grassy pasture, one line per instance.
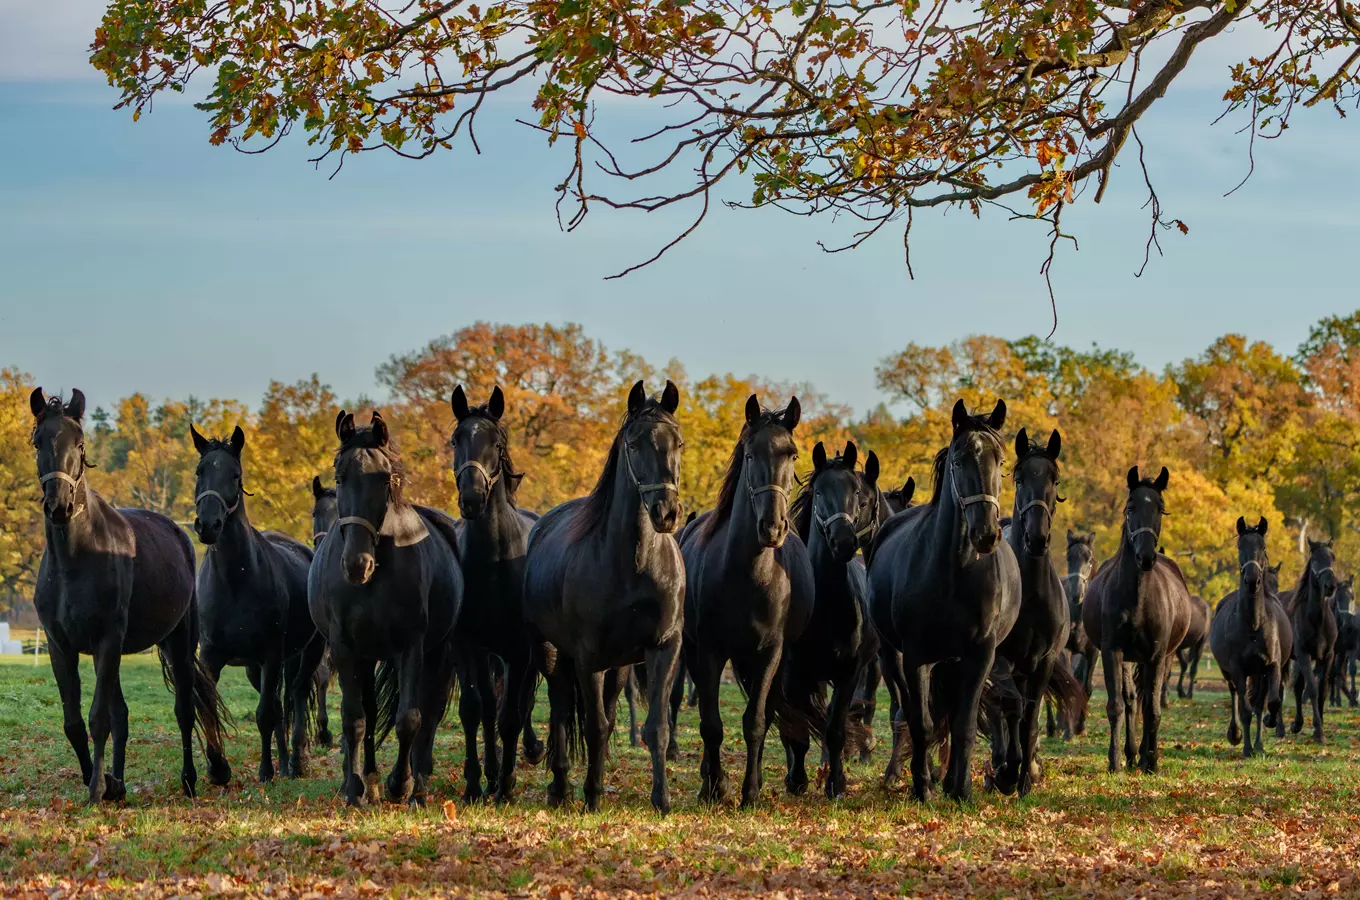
(1209, 824)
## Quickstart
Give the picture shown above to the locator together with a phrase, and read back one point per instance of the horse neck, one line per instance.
(70, 541)
(1256, 605)
(826, 570)
(950, 547)
(1128, 575)
(495, 534)
(627, 525)
(743, 544)
(239, 541)
(1312, 601)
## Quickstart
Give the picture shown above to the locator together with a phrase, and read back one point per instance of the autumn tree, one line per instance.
(290, 441)
(21, 518)
(863, 107)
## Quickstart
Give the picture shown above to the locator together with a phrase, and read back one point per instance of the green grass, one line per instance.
(1209, 823)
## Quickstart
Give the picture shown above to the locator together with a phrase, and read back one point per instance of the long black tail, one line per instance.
(1066, 692)
(212, 718)
(387, 688)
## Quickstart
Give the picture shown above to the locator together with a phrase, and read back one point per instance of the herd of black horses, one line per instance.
(813, 588)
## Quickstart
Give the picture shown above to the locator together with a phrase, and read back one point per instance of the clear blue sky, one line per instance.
(138, 257)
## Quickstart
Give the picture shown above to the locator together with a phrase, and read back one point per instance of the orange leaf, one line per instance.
(450, 811)
(580, 129)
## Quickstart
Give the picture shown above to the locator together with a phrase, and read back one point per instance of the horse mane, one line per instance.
(1301, 586)
(218, 444)
(978, 425)
(505, 464)
(363, 439)
(595, 510)
(727, 493)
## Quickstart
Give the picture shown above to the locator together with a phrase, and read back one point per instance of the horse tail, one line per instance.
(1066, 692)
(212, 717)
(387, 688)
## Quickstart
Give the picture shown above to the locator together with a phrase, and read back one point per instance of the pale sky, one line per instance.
(138, 257)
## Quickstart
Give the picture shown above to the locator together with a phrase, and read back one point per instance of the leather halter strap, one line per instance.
(1042, 504)
(478, 467)
(1144, 530)
(59, 475)
(1252, 562)
(826, 523)
(644, 489)
(230, 508)
(360, 521)
(1322, 571)
(968, 501)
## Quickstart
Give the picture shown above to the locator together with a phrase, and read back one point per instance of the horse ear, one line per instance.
(37, 402)
(1054, 445)
(998, 416)
(871, 468)
(75, 408)
(1090, 539)
(908, 490)
(238, 441)
(636, 398)
(344, 426)
(1261, 526)
(1133, 478)
(793, 413)
(752, 409)
(316, 487)
(1021, 444)
(1162, 478)
(380, 432)
(1241, 526)
(459, 403)
(960, 414)
(200, 442)
(818, 457)
(1277, 567)
(496, 406)
(1071, 538)
(851, 455)
(1328, 543)
(670, 397)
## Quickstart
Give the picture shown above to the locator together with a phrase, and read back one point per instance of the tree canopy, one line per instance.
(871, 108)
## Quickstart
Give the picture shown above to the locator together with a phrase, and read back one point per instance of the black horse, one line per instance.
(1191, 650)
(749, 592)
(323, 520)
(1080, 654)
(1315, 632)
(865, 704)
(1252, 639)
(604, 587)
(944, 588)
(113, 582)
(1137, 611)
(386, 586)
(252, 595)
(837, 509)
(1040, 632)
(495, 533)
(1347, 643)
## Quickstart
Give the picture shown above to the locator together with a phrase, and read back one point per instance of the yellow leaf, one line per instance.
(580, 129)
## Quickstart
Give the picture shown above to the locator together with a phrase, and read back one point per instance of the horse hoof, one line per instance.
(593, 804)
(399, 789)
(1296, 728)
(472, 795)
(534, 753)
(672, 752)
(1317, 738)
(1234, 734)
(324, 739)
(114, 788)
(661, 801)
(188, 783)
(219, 771)
(795, 786)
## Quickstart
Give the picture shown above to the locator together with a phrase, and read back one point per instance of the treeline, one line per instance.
(1244, 429)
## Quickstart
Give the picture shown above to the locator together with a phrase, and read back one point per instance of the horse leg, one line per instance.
(514, 715)
(972, 675)
(1194, 669)
(353, 723)
(1088, 687)
(264, 716)
(677, 699)
(591, 685)
(305, 694)
(369, 697)
(1183, 662)
(184, 636)
(322, 675)
(915, 699)
(1050, 720)
(561, 725)
(795, 735)
(434, 681)
(1029, 725)
(1275, 700)
(1241, 694)
(890, 665)
(630, 687)
(66, 670)
(470, 715)
(1155, 675)
(1113, 664)
(115, 787)
(662, 667)
(707, 672)
(1300, 685)
(1131, 715)
(1259, 686)
(1234, 707)
(107, 659)
(755, 721)
(401, 780)
(1318, 676)
(842, 692)
(486, 683)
